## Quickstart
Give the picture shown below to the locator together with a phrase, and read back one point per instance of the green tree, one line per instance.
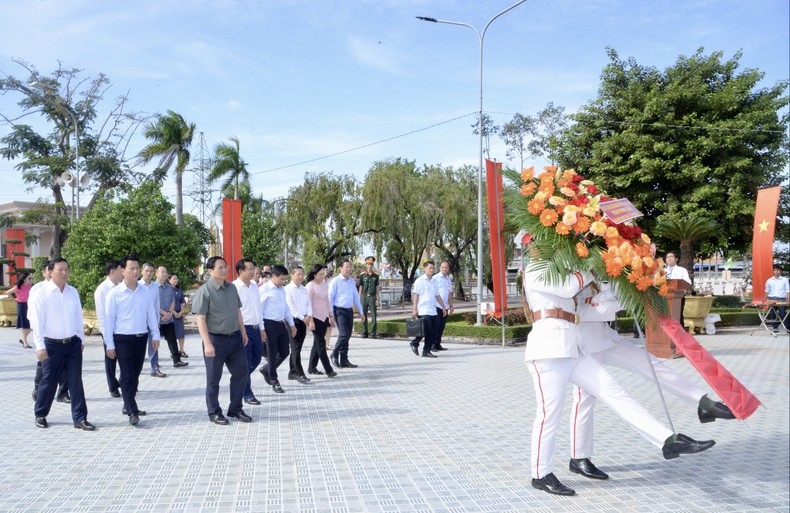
(687, 231)
(489, 129)
(62, 98)
(515, 134)
(171, 138)
(137, 220)
(259, 240)
(695, 140)
(398, 199)
(228, 163)
(550, 124)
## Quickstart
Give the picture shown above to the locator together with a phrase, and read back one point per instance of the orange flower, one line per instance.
(659, 280)
(550, 169)
(644, 283)
(582, 225)
(633, 276)
(568, 174)
(548, 217)
(535, 206)
(663, 290)
(547, 188)
(582, 250)
(528, 174)
(614, 267)
(611, 232)
(645, 238)
(562, 228)
(648, 261)
(528, 189)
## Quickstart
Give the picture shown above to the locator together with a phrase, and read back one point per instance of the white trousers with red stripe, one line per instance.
(624, 355)
(551, 376)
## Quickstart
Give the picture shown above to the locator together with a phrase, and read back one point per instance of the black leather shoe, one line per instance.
(265, 372)
(717, 411)
(219, 419)
(685, 445)
(348, 365)
(303, 380)
(134, 420)
(429, 355)
(331, 374)
(180, 364)
(41, 422)
(586, 468)
(243, 417)
(549, 483)
(85, 426)
(440, 348)
(278, 389)
(364, 335)
(66, 400)
(415, 348)
(315, 371)
(335, 361)
(140, 413)
(252, 400)
(115, 393)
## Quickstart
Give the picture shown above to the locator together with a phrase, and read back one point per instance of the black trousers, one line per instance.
(63, 387)
(277, 343)
(130, 353)
(440, 328)
(168, 332)
(228, 351)
(296, 349)
(344, 320)
(68, 357)
(110, 367)
(430, 323)
(318, 352)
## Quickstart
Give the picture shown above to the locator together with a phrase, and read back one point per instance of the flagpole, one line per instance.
(655, 377)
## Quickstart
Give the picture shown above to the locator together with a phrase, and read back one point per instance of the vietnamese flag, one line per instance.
(763, 240)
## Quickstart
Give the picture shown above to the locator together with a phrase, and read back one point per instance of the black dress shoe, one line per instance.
(265, 372)
(252, 400)
(364, 335)
(243, 417)
(303, 380)
(415, 348)
(331, 374)
(278, 389)
(315, 371)
(66, 400)
(685, 445)
(115, 393)
(440, 348)
(429, 355)
(84, 425)
(335, 361)
(374, 336)
(718, 411)
(41, 422)
(141, 413)
(586, 468)
(180, 364)
(549, 483)
(348, 365)
(218, 418)
(134, 420)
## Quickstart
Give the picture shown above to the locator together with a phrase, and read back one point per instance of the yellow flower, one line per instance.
(611, 232)
(569, 217)
(598, 228)
(645, 238)
(567, 191)
(557, 201)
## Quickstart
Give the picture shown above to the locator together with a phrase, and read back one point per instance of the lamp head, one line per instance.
(425, 18)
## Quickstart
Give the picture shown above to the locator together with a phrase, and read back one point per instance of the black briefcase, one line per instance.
(415, 328)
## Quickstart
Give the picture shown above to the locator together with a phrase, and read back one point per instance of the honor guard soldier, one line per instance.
(369, 289)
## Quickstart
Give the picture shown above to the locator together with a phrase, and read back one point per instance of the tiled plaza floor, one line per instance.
(398, 434)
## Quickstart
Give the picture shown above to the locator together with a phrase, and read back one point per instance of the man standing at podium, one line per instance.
(777, 289)
(675, 272)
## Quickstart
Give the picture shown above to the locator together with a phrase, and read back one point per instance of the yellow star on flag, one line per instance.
(764, 226)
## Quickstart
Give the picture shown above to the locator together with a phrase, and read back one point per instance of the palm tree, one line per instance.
(171, 136)
(228, 163)
(686, 230)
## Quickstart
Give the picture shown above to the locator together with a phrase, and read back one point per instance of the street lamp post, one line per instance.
(481, 37)
(51, 94)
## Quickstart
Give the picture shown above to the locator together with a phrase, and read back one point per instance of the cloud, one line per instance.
(234, 104)
(372, 53)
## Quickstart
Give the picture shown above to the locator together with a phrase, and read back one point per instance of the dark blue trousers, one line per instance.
(110, 367)
(130, 353)
(229, 351)
(68, 357)
(296, 349)
(277, 344)
(440, 328)
(344, 320)
(430, 325)
(318, 352)
(254, 350)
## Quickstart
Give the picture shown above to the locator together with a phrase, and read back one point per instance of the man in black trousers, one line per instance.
(277, 319)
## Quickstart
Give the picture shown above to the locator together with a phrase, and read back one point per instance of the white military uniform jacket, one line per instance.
(594, 312)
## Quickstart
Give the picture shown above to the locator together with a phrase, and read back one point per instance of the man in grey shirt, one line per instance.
(218, 310)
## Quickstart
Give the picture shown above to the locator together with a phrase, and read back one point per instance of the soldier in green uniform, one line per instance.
(369, 294)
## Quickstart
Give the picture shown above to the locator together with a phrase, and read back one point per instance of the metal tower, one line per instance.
(201, 194)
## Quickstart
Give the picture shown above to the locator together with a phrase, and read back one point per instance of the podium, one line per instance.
(658, 343)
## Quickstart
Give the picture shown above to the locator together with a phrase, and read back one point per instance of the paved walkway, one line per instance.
(398, 434)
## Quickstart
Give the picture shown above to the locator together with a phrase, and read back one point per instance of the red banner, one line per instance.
(763, 240)
(496, 223)
(231, 234)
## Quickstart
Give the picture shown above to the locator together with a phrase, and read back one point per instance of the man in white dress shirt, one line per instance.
(251, 315)
(302, 312)
(152, 287)
(277, 319)
(343, 297)
(777, 290)
(63, 391)
(674, 271)
(113, 273)
(427, 304)
(444, 284)
(58, 333)
(130, 317)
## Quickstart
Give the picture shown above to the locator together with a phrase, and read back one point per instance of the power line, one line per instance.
(365, 145)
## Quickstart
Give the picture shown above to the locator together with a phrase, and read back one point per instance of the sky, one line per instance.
(299, 80)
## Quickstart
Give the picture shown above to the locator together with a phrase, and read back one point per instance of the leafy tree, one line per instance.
(695, 140)
(63, 98)
(550, 124)
(137, 220)
(228, 163)
(259, 240)
(171, 138)
(489, 129)
(398, 199)
(687, 231)
(323, 217)
(515, 134)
